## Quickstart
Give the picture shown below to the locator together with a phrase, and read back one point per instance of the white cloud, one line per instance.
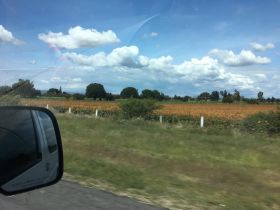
(154, 34)
(57, 79)
(79, 37)
(33, 62)
(65, 80)
(78, 79)
(151, 35)
(44, 81)
(202, 71)
(208, 70)
(260, 47)
(161, 63)
(244, 58)
(239, 81)
(195, 68)
(7, 37)
(123, 56)
(261, 76)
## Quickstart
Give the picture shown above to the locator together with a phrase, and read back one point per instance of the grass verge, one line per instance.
(175, 166)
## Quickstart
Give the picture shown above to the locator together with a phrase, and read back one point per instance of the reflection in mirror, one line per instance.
(18, 147)
(30, 149)
(49, 131)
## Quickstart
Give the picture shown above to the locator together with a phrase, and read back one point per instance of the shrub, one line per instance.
(78, 96)
(138, 108)
(263, 122)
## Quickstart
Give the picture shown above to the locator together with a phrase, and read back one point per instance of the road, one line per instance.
(70, 196)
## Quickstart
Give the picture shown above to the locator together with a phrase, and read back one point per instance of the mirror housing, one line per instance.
(31, 154)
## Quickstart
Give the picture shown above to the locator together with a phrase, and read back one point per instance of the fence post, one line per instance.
(96, 113)
(202, 122)
(69, 110)
(47, 106)
(160, 118)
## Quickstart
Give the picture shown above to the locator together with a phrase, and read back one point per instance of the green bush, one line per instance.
(138, 108)
(263, 122)
(7, 100)
(78, 96)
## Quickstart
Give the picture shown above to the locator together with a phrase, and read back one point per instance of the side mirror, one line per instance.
(31, 153)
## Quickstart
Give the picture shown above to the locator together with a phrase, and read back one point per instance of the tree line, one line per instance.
(96, 91)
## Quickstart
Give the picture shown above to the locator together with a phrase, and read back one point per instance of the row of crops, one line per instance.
(219, 110)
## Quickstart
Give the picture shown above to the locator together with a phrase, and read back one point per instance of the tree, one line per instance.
(153, 94)
(227, 97)
(24, 88)
(95, 90)
(5, 90)
(146, 93)
(260, 96)
(110, 97)
(236, 95)
(204, 96)
(53, 92)
(215, 96)
(129, 92)
(156, 94)
(223, 93)
(164, 97)
(186, 98)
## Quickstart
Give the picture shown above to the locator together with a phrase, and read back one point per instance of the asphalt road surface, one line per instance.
(70, 196)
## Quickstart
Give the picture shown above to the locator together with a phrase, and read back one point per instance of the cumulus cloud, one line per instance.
(206, 70)
(244, 58)
(123, 56)
(162, 63)
(196, 68)
(260, 47)
(79, 37)
(7, 37)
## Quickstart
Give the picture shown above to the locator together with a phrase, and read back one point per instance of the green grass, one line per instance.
(174, 166)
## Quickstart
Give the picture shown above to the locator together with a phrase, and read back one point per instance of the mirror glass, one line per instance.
(30, 149)
(18, 145)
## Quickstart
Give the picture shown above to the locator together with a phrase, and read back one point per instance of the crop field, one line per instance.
(219, 110)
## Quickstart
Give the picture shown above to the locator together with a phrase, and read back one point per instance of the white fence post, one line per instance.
(47, 106)
(69, 110)
(96, 113)
(202, 122)
(160, 118)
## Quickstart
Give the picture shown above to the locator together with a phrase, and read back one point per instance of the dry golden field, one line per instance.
(88, 105)
(227, 111)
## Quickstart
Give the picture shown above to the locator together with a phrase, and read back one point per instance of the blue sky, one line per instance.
(179, 47)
